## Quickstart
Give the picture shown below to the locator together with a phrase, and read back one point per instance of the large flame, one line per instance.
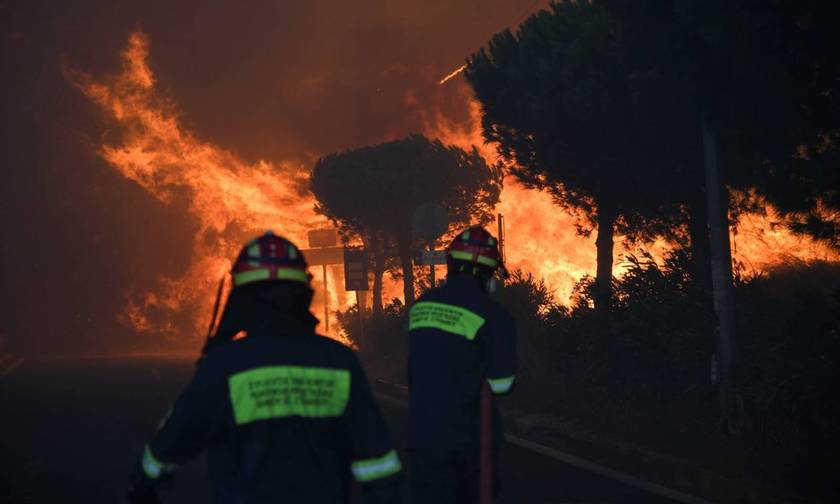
(229, 199)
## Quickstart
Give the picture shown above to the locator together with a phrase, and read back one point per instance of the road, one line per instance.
(72, 428)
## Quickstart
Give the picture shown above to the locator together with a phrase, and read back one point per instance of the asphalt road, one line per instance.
(73, 428)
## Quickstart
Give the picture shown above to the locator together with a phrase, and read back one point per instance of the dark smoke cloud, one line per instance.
(268, 80)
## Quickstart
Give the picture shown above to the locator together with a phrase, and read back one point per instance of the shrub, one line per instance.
(789, 338)
(383, 344)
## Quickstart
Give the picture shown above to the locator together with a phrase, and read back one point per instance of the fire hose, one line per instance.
(486, 445)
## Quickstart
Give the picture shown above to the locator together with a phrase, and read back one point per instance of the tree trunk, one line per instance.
(698, 229)
(378, 271)
(407, 262)
(602, 293)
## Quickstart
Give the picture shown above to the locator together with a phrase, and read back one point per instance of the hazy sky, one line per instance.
(267, 80)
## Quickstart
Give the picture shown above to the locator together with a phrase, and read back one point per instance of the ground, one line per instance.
(73, 427)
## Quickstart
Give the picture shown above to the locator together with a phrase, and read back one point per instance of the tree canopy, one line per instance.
(557, 100)
(373, 192)
(602, 102)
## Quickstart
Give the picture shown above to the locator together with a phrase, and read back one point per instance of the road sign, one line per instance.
(319, 238)
(323, 256)
(355, 270)
(429, 221)
(430, 257)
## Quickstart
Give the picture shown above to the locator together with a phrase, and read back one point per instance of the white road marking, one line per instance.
(581, 463)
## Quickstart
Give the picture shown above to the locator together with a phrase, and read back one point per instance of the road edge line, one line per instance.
(581, 463)
(593, 467)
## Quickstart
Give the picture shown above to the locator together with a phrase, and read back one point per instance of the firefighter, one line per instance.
(285, 415)
(458, 339)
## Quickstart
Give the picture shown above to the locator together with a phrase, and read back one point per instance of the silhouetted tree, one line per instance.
(603, 103)
(373, 192)
(557, 100)
(764, 75)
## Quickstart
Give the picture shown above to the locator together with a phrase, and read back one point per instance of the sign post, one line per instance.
(429, 221)
(323, 239)
(356, 279)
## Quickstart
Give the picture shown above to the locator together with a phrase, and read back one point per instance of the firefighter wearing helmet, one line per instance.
(286, 415)
(460, 341)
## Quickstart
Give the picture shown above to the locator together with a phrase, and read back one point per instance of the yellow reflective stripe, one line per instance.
(152, 466)
(500, 385)
(376, 468)
(284, 391)
(251, 276)
(265, 274)
(449, 318)
(466, 256)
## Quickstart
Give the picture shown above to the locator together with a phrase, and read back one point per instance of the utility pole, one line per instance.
(431, 268)
(360, 305)
(500, 220)
(326, 300)
(721, 262)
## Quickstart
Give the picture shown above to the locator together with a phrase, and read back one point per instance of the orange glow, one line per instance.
(229, 200)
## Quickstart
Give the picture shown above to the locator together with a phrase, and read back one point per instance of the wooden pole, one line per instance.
(432, 268)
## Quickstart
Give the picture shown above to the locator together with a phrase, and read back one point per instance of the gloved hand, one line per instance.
(141, 488)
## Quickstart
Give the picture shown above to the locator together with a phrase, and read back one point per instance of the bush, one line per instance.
(789, 338)
(384, 343)
(654, 343)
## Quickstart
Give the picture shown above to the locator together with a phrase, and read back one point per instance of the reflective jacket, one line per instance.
(458, 337)
(286, 416)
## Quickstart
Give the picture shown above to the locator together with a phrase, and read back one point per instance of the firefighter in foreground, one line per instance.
(458, 339)
(286, 415)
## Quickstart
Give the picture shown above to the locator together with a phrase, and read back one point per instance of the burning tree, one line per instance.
(373, 191)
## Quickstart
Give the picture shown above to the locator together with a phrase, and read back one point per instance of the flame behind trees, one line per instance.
(557, 103)
(580, 102)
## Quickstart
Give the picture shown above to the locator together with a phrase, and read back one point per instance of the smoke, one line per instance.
(87, 248)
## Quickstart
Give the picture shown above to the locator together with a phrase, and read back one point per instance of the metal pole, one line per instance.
(500, 219)
(432, 268)
(326, 301)
(361, 309)
(721, 262)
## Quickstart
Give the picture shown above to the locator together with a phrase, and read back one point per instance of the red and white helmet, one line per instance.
(269, 258)
(477, 247)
